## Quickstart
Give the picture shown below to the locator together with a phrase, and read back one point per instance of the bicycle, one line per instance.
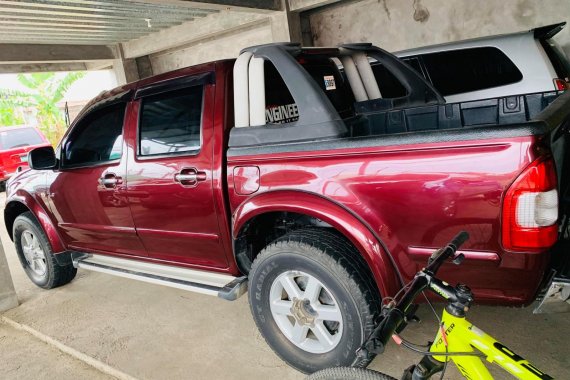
(457, 339)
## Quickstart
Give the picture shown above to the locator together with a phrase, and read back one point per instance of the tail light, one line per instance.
(561, 84)
(530, 209)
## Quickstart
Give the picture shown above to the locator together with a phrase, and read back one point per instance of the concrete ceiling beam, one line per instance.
(63, 32)
(43, 67)
(99, 65)
(39, 53)
(57, 40)
(190, 32)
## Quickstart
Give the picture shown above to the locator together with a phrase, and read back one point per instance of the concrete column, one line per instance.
(8, 299)
(144, 66)
(125, 70)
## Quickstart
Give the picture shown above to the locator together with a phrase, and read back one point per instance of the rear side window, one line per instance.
(16, 138)
(458, 71)
(280, 107)
(390, 86)
(170, 123)
(96, 139)
(414, 63)
(328, 77)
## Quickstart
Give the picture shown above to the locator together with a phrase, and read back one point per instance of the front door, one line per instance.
(88, 193)
(170, 177)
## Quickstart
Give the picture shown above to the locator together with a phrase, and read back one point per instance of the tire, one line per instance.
(348, 373)
(36, 255)
(294, 327)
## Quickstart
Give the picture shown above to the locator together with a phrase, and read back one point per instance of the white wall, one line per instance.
(217, 36)
(402, 24)
(223, 46)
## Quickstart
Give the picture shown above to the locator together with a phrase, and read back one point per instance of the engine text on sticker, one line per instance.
(281, 114)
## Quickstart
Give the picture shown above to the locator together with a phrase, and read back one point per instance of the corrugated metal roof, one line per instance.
(88, 21)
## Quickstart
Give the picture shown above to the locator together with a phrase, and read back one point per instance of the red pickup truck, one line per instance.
(281, 171)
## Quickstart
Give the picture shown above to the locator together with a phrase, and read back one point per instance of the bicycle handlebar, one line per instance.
(439, 256)
(459, 239)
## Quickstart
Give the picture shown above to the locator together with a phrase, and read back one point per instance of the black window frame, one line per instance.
(390, 84)
(408, 59)
(169, 90)
(77, 125)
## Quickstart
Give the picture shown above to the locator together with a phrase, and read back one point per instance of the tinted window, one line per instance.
(97, 138)
(414, 63)
(390, 87)
(170, 123)
(15, 138)
(454, 72)
(328, 77)
(280, 107)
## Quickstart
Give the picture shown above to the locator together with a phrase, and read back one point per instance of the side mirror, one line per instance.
(42, 158)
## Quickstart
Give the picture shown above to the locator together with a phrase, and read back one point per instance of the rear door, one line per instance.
(170, 173)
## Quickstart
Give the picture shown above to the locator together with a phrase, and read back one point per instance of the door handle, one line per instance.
(189, 177)
(110, 181)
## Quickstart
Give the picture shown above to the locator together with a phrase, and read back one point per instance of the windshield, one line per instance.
(15, 138)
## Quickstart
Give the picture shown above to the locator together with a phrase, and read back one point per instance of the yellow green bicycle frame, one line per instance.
(462, 336)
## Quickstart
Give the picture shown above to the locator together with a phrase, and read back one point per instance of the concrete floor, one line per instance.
(152, 332)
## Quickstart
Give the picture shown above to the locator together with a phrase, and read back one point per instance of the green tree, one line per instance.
(10, 116)
(43, 92)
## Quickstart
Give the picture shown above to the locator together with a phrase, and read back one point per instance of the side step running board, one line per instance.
(224, 286)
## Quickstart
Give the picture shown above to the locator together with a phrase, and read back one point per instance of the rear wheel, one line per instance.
(36, 255)
(312, 299)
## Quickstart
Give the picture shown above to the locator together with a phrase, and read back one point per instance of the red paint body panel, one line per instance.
(35, 201)
(327, 211)
(412, 198)
(92, 217)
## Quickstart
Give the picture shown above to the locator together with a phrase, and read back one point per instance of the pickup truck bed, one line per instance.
(427, 171)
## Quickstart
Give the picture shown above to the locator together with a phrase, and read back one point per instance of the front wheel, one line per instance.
(312, 299)
(36, 255)
(349, 373)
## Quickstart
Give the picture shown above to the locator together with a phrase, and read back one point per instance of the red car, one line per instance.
(15, 143)
(274, 170)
